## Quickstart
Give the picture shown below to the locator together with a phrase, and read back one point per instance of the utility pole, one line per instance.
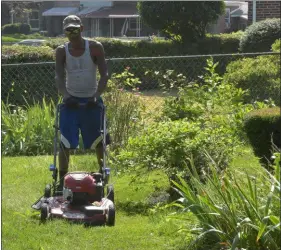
(254, 11)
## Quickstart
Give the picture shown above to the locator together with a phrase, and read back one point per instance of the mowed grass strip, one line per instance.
(23, 181)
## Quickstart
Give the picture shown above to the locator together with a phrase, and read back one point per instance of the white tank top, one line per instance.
(81, 73)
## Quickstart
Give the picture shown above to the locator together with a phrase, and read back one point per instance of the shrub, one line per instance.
(260, 75)
(276, 46)
(124, 108)
(21, 28)
(209, 97)
(26, 54)
(220, 44)
(224, 43)
(262, 128)
(234, 210)
(259, 36)
(169, 146)
(204, 125)
(27, 131)
(24, 28)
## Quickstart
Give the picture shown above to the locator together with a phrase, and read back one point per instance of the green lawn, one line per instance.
(24, 178)
(18, 37)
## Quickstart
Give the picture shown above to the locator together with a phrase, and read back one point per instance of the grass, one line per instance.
(153, 101)
(18, 37)
(23, 182)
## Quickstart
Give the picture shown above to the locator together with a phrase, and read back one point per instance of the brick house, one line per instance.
(264, 10)
(100, 19)
(234, 19)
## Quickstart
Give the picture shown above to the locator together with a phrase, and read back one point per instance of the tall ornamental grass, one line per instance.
(235, 210)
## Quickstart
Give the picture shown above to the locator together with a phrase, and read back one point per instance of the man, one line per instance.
(80, 58)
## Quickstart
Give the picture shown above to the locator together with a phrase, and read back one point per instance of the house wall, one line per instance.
(46, 5)
(54, 25)
(219, 26)
(264, 10)
(238, 23)
(118, 24)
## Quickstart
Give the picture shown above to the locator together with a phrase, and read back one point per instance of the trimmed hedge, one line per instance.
(259, 36)
(114, 48)
(260, 125)
(260, 76)
(26, 54)
(276, 46)
(22, 28)
(212, 44)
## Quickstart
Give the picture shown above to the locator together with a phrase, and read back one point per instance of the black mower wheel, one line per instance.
(44, 212)
(47, 191)
(110, 193)
(111, 216)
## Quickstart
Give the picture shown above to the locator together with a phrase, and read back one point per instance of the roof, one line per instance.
(242, 11)
(113, 12)
(87, 10)
(60, 11)
(234, 3)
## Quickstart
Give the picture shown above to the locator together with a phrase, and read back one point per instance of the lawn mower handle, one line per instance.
(56, 127)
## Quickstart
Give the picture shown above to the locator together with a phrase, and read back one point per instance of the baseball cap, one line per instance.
(72, 21)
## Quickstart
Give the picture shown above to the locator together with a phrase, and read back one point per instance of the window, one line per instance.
(227, 17)
(34, 20)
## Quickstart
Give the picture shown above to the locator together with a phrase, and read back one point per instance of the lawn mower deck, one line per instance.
(96, 213)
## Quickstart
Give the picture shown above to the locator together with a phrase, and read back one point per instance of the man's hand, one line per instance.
(94, 98)
(66, 96)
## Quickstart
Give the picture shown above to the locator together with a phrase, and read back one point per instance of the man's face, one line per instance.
(72, 33)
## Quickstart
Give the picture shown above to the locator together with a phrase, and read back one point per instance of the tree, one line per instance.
(17, 8)
(184, 21)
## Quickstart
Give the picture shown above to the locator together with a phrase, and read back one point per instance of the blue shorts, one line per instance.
(88, 120)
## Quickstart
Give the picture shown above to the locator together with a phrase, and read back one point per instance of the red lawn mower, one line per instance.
(83, 196)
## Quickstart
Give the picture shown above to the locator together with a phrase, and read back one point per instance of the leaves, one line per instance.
(180, 21)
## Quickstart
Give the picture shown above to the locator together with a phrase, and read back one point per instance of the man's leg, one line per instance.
(69, 131)
(99, 153)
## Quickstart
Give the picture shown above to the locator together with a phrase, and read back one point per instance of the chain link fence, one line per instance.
(30, 82)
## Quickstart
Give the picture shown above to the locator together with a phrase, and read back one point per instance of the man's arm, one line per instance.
(97, 52)
(60, 61)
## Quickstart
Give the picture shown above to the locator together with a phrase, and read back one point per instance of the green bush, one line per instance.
(21, 28)
(260, 76)
(26, 54)
(27, 131)
(24, 28)
(170, 145)
(276, 46)
(204, 119)
(220, 44)
(207, 98)
(262, 128)
(225, 43)
(259, 36)
(124, 108)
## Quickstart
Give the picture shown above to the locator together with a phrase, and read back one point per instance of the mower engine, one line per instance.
(80, 188)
